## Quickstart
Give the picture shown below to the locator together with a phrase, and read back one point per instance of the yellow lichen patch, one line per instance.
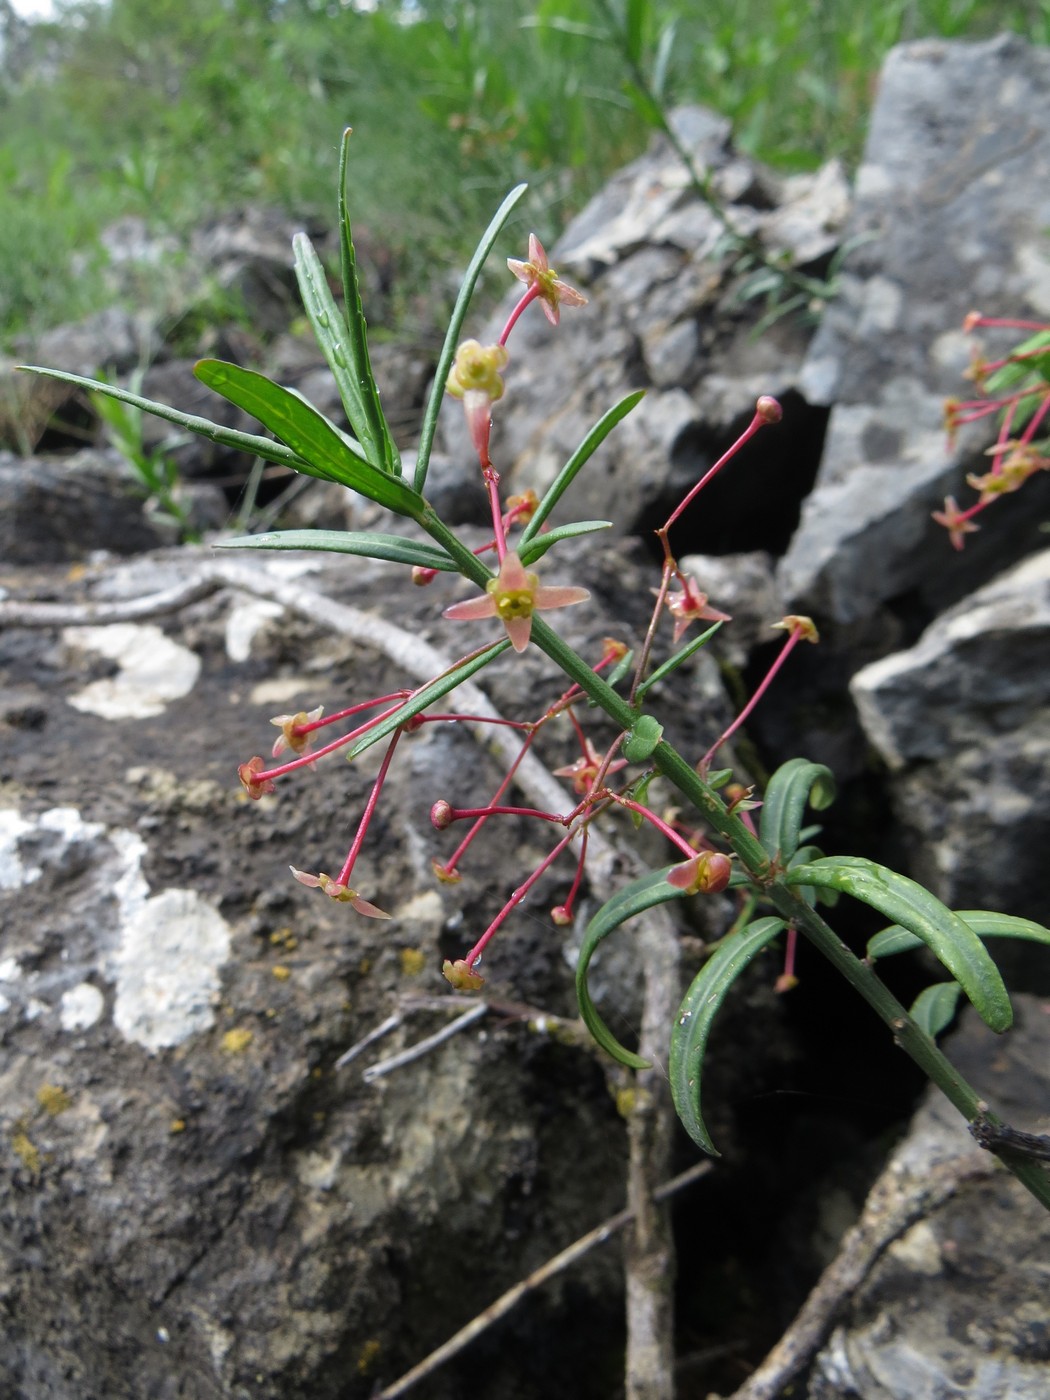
(368, 1356)
(53, 1099)
(284, 938)
(177, 1125)
(626, 1099)
(281, 972)
(26, 1152)
(413, 961)
(235, 1042)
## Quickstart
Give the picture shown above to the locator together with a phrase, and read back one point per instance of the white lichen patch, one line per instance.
(278, 690)
(245, 620)
(167, 969)
(81, 1006)
(14, 872)
(154, 670)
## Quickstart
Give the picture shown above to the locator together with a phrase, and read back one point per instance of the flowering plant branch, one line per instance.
(771, 868)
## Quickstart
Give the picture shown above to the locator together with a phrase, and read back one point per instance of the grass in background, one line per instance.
(176, 110)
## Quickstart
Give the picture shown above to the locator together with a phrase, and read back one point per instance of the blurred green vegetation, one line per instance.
(176, 110)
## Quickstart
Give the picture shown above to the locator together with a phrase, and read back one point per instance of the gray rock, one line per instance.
(963, 721)
(949, 214)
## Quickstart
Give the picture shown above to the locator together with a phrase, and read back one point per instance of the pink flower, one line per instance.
(342, 893)
(475, 377)
(255, 786)
(689, 606)
(550, 289)
(292, 735)
(584, 771)
(706, 873)
(513, 596)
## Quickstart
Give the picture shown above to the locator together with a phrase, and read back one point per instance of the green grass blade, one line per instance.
(949, 937)
(308, 433)
(984, 922)
(642, 894)
(935, 1007)
(583, 453)
(393, 548)
(354, 381)
(538, 547)
(433, 690)
(459, 314)
(692, 1027)
(791, 787)
(263, 447)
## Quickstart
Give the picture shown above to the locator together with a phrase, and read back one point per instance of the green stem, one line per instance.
(753, 856)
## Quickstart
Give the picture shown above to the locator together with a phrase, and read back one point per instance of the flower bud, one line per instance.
(441, 815)
(768, 409)
(560, 916)
(462, 977)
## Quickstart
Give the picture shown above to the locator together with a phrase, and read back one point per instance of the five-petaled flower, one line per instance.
(513, 596)
(292, 735)
(584, 771)
(689, 606)
(254, 785)
(957, 522)
(334, 890)
(476, 378)
(551, 290)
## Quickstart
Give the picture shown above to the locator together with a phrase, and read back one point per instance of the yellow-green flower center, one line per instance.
(514, 602)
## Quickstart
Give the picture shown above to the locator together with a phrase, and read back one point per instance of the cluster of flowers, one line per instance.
(513, 596)
(1016, 387)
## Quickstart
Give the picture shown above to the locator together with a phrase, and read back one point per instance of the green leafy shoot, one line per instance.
(448, 350)
(420, 699)
(952, 940)
(320, 447)
(791, 787)
(673, 662)
(354, 381)
(252, 443)
(370, 418)
(985, 923)
(393, 548)
(935, 1007)
(579, 458)
(1016, 371)
(538, 547)
(641, 894)
(692, 1027)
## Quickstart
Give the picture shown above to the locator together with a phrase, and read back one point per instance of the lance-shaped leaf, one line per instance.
(984, 922)
(784, 804)
(635, 898)
(538, 547)
(394, 548)
(692, 1027)
(673, 662)
(252, 443)
(455, 327)
(324, 451)
(418, 701)
(934, 1008)
(345, 347)
(583, 453)
(951, 939)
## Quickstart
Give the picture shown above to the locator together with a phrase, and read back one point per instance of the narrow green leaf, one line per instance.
(949, 937)
(324, 451)
(373, 546)
(984, 922)
(455, 326)
(583, 453)
(673, 662)
(537, 548)
(791, 787)
(620, 669)
(642, 739)
(353, 378)
(692, 1027)
(426, 695)
(641, 894)
(935, 1007)
(1014, 371)
(634, 29)
(662, 62)
(252, 443)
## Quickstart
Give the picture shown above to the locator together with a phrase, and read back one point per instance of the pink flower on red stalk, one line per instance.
(707, 873)
(475, 377)
(255, 785)
(513, 596)
(584, 771)
(551, 290)
(292, 735)
(334, 890)
(689, 606)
